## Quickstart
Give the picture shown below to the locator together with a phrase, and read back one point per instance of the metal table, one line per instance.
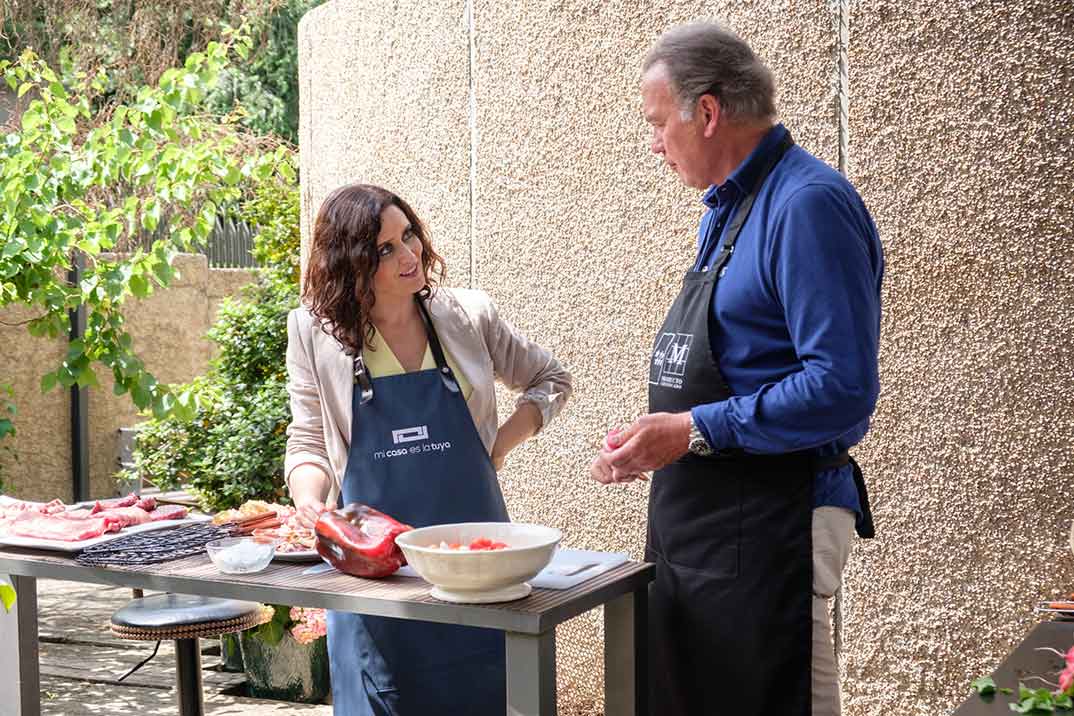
(529, 624)
(1029, 658)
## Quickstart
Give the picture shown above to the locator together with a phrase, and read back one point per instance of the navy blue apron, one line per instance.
(415, 454)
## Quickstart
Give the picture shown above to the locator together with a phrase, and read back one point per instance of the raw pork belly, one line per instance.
(167, 512)
(102, 505)
(49, 520)
(126, 516)
(45, 508)
(55, 527)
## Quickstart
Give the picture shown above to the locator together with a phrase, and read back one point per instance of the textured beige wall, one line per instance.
(384, 100)
(41, 463)
(583, 235)
(580, 234)
(961, 146)
(169, 335)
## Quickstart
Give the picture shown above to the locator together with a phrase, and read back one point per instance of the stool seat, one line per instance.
(184, 616)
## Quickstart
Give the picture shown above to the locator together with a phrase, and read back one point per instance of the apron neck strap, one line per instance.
(430, 333)
(434, 345)
(743, 211)
(361, 373)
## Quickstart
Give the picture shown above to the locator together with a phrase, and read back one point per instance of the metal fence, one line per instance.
(230, 243)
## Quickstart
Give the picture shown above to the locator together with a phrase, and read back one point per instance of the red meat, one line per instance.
(360, 540)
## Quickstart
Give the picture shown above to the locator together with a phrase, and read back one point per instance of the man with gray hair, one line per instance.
(762, 377)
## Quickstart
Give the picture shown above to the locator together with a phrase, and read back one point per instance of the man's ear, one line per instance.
(709, 109)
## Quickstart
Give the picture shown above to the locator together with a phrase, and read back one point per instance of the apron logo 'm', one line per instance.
(669, 360)
(409, 435)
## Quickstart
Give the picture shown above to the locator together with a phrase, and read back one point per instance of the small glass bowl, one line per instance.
(242, 555)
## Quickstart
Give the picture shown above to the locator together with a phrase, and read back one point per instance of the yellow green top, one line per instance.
(382, 362)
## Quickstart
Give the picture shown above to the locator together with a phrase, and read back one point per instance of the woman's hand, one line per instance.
(310, 512)
(309, 487)
(522, 425)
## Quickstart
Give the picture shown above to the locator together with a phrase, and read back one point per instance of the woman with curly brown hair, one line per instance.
(382, 359)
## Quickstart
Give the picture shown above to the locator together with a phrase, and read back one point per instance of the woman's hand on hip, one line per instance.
(522, 425)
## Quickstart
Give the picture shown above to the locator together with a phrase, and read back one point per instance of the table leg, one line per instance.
(20, 677)
(626, 655)
(531, 674)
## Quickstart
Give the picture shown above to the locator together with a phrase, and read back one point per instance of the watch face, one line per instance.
(698, 446)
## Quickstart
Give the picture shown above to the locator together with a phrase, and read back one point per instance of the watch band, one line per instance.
(698, 444)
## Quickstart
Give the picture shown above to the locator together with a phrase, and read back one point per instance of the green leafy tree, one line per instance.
(134, 41)
(233, 448)
(76, 185)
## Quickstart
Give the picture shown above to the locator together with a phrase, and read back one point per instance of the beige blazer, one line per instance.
(485, 348)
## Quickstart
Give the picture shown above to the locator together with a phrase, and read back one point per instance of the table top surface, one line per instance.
(1025, 661)
(284, 583)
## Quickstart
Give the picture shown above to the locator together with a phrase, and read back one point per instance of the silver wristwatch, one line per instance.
(698, 444)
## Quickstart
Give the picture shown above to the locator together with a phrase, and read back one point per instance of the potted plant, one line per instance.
(286, 658)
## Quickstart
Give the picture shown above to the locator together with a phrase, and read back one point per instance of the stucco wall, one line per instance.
(959, 139)
(386, 103)
(168, 329)
(961, 146)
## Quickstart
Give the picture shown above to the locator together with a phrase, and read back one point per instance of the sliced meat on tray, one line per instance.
(41, 526)
(147, 503)
(128, 501)
(132, 515)
(45, 508)
(126, 516)
(168, 512)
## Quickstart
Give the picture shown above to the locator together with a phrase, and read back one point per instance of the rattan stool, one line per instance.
(185, 618)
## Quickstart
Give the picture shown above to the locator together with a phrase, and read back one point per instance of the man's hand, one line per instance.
(601, 470)
(650, 443)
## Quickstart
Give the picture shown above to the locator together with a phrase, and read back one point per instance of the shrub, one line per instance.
(233, 449)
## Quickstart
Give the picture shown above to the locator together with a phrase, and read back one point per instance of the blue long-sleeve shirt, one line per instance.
(795, 318)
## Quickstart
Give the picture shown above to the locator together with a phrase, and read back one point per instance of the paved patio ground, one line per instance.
(81, 660)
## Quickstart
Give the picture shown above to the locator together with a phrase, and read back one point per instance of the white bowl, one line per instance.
(479, 576)
(241, 555)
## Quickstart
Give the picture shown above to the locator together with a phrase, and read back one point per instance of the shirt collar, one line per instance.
(744, 175)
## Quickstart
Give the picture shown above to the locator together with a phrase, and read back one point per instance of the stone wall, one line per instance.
(169, 335)
(959, 133)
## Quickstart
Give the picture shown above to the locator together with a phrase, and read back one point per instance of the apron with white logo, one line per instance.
(415, 454)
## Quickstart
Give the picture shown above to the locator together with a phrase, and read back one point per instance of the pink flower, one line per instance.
(309, 624)
(1066, 679)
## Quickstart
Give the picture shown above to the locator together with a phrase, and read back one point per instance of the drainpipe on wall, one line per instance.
(842, 111)
(79, 397)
